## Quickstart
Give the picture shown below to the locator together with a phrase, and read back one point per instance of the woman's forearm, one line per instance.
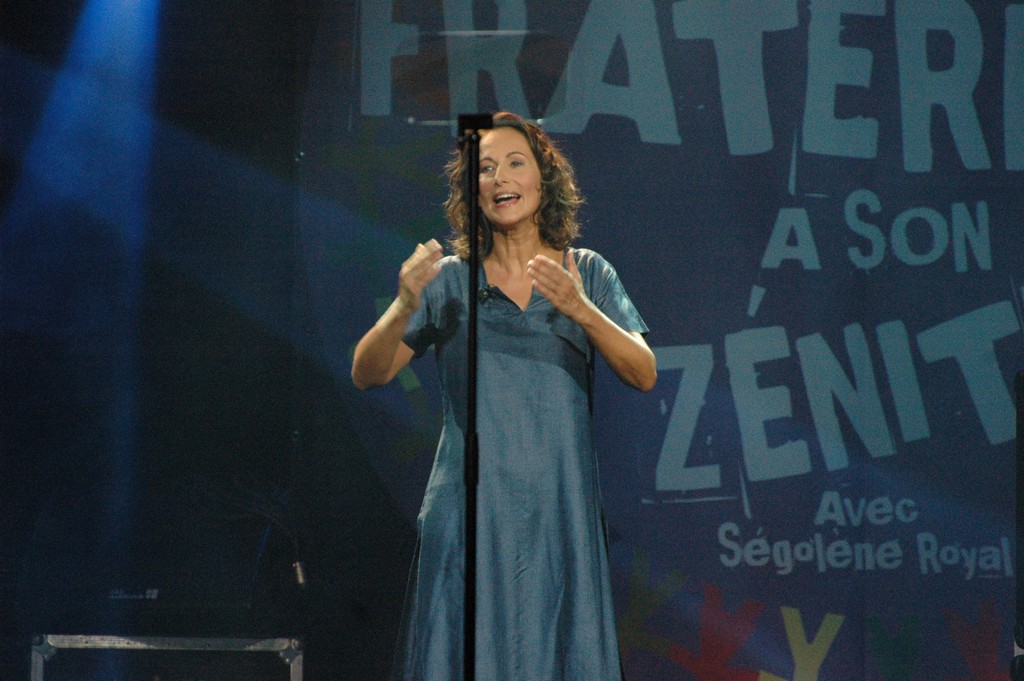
(380, 353)
(626, 352)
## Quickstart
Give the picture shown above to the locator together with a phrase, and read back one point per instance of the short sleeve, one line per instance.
(605, 289)
(417, 332)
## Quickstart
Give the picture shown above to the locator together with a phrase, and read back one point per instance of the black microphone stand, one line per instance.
(470, 126)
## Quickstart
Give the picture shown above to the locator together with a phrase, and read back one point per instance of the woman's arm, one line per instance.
(626, 352)
(380, 353)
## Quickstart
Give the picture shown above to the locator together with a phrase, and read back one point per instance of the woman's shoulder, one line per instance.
(587, 258)
(453, 270)
(450, 261)
(585, 253)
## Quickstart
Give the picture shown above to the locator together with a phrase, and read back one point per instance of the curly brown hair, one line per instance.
(560, 197)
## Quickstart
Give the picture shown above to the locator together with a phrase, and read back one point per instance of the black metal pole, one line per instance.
(469, 129)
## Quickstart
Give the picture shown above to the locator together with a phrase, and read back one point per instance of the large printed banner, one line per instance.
(818, 207)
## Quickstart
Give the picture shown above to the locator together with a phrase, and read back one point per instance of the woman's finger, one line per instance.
(544, 271)
(418, 270)
(555, 283)
(573, 268)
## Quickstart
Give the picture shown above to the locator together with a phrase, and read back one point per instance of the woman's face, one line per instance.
(510, 185)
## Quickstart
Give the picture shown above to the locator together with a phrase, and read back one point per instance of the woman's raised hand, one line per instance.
(562, 286)
(417, 271)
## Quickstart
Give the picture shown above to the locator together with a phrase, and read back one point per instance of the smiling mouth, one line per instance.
(502, 199)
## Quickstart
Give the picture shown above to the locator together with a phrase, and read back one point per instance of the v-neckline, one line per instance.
(487, 285)
(495, 288)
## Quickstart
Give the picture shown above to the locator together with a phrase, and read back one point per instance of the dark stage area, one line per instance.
(167, 455)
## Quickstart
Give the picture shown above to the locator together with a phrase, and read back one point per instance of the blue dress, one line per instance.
(544, 600)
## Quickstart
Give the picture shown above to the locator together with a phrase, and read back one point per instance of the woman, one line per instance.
(544, 608)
